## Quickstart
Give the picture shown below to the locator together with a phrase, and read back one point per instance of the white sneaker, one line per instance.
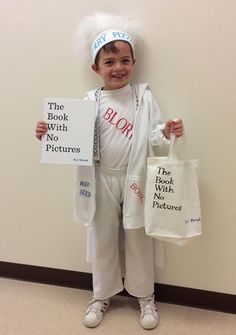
(95, 312)
(149, 317)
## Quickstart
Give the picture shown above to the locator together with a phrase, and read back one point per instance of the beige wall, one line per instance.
(189, 60)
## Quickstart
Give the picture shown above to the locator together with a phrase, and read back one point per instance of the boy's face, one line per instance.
(115, 68)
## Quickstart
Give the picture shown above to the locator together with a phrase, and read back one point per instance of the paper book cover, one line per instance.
(70, 135)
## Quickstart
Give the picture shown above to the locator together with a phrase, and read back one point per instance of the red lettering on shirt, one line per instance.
(122, 124)
(109, 115)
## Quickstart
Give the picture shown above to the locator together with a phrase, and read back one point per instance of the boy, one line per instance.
(128, 126)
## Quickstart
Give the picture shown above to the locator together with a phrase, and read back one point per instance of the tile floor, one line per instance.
(38, 309)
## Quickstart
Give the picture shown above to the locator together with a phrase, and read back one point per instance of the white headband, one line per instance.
(108, 36)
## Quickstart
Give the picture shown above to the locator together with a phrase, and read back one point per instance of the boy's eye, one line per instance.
(126, 60)
(108, 62)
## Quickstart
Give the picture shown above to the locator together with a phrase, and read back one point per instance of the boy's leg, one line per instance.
(139, 278)
(107, 278)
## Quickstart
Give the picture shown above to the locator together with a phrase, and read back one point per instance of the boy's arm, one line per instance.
(160, 131)
(157, 123)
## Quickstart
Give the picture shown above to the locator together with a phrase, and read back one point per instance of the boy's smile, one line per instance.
(115, 68)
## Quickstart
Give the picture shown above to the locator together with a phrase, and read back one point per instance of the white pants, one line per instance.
(105, 238)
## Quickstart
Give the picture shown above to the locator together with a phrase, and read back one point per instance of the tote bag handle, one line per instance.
(177, 150)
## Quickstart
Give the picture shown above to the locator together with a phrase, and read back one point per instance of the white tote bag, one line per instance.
(172, 205)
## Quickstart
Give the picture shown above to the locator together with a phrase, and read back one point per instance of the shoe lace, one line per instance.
(147, 306)
(97, 306)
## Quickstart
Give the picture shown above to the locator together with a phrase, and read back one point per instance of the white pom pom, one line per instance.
(93, 25)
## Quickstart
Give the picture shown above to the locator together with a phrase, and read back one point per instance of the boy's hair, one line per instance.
(111, 47)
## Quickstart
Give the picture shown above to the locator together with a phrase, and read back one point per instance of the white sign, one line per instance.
(69, 139)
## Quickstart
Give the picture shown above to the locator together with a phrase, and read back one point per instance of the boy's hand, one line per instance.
(175, 127)
(40, 129)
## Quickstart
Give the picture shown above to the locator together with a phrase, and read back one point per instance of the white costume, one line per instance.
(117, 192)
